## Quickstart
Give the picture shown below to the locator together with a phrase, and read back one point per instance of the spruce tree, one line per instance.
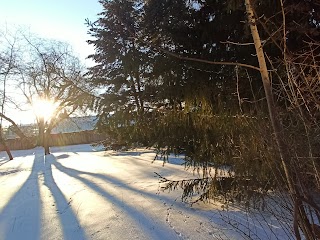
(215, 114)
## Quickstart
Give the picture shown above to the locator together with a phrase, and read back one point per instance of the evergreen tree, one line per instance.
(167, 70)
(156, 93)
(123, 63)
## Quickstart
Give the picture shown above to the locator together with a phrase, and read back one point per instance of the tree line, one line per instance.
(231, 84)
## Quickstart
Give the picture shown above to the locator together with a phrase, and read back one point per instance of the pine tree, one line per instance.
(191, 100)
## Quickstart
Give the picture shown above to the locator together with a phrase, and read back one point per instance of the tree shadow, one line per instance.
(69, 222)
(127, 153)
(76, 148)
(108, 180)
(4, 162)
(43, 169)
(21, 217)
(63, 156)
(170, 159)
(163, 231)
(201, 212)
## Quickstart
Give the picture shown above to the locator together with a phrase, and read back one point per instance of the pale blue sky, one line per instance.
(62, 20)
(58, 19)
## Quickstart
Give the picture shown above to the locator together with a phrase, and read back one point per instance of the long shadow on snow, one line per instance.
(127, 153)
(241, 216)
(69, 222)
(86, 148)
(114, 180)
(117, 182)
(139, 163)
(20, 218)
(219, 222)
(179, 206)
(173, 159)
(162, 232)
(4, 162)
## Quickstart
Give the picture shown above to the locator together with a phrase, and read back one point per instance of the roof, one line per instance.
(76, 124)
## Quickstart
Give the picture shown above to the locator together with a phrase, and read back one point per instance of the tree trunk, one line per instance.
(134, 92)
(16, 129)
(46, 143)
(43, 136)
(40, 141)
(6, 148)
(291, 177)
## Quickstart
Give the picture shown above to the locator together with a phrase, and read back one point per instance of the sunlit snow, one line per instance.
(82, 192)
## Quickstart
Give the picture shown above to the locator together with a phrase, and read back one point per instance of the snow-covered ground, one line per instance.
(81, 192)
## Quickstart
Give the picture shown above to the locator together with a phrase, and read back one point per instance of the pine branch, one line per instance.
(151, 44)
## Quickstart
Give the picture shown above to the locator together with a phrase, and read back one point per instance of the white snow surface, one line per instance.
(82, 192)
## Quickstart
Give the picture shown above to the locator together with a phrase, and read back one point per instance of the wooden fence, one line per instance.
(60, 139)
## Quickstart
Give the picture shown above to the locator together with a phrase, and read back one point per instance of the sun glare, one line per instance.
(44, 108)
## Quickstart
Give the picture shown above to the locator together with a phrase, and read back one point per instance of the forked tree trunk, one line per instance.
(290, 175)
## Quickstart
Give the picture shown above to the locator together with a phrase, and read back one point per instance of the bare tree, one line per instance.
(55, 75)
(7, 66)
(301, 220)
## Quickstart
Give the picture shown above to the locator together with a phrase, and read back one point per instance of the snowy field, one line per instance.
(81, 192)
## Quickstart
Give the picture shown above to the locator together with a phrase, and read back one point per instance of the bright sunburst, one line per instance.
(44, 108)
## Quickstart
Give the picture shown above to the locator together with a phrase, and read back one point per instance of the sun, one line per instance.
(44, 108)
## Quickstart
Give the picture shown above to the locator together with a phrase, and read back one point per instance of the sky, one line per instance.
(62, 20)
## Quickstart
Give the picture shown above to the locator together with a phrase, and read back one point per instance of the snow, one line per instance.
(83, 192)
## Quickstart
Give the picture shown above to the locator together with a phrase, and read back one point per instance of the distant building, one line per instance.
(76, 124)
(28, 129)
(69, 125)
